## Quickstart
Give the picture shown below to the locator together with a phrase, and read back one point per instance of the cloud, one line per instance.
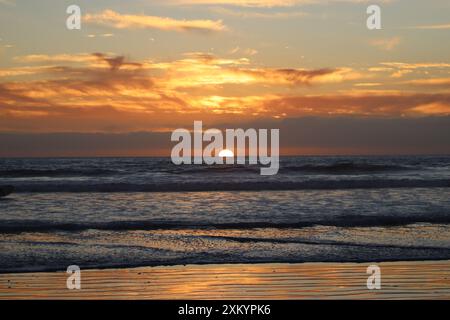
(245, 3)
(360, 135)
(289, 76)
(304, 135)
(413, 66)
(402, 68)
(362, 104)
(368, 84)
(117, 101)
(83, 144)
(432, 27)
(431, 82)
(24, 71)
(267, 3)
(433, 109)
(258, 15)
(97, 60)
(105, 92)
(108, 93)
(82, 57)
(202, 69)
(250, 52)
(127, 21)
(115, 62)
(386, 44)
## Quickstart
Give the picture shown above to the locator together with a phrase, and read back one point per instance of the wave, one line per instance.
(18, 226)
(335, 168)
(189, 186)
(30, 173)
(347, 168)
(205, 169)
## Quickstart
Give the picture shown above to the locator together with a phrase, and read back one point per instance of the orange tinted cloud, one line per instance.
(23, 71)
(100, 92)
(434, 108)
(258, 15)
(265, 3)
(245, 3)
(386, 44)
(200, 69)
(363, 104)
(432, 82)
(127, 21)
(433, 27)
(400, 69)
(82, 57)
(413, 66)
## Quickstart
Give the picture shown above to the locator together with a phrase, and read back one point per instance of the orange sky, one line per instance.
(145, 67)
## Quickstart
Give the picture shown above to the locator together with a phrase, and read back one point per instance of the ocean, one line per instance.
(130, 212)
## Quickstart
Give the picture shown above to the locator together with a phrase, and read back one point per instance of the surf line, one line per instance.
(251, 143)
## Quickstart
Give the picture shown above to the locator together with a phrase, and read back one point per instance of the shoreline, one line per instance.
(324, 280)
(231, 264)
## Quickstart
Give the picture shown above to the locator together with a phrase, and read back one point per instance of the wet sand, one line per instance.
(400, 280)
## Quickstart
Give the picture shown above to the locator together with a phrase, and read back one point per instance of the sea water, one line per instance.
(125, 212)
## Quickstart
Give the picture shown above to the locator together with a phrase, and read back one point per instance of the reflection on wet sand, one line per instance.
(404, 280)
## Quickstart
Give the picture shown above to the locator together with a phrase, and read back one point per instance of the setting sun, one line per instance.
(225, 153)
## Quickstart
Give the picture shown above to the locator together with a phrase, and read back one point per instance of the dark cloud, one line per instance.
(116, 62)
(82, 144)
(369, 135)
(309, 135)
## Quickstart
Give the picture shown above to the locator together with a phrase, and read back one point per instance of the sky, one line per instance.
(139, 69)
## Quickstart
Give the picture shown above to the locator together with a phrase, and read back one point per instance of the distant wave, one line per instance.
(187, 186)
(168, 168)
(205, 169)
(17, 226)
(330, 169)
(29, 173)
(347, 168)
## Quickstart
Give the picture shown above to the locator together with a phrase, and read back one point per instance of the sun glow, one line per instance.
(225, 153)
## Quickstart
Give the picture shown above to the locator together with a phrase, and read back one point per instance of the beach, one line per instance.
(400, 280)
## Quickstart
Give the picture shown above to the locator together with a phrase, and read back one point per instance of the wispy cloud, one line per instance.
(399, 69)
(369, 104)
(433, 82)
(245, 3)
(24, 71)
(418, 65)
(267, 3)
(432, 27)
(127, 21)
(258, 15)
(202, 69)
(82, 57)
(386, 44)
